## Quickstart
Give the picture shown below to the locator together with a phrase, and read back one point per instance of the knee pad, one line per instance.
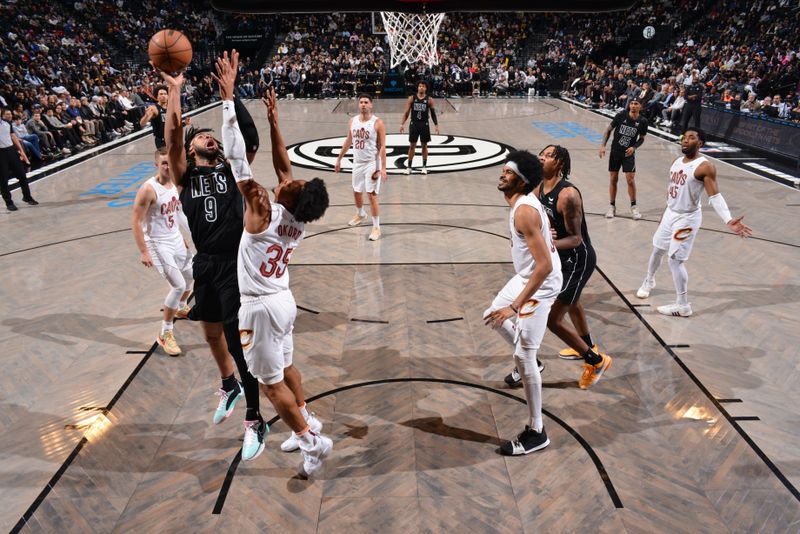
(173, 299)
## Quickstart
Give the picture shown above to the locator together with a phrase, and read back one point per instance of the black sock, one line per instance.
(588, 340)
(252, 414)
(613, 203)
(633, 203)
(229, 383)
(409, 163)
(591, 357)
(424, 162)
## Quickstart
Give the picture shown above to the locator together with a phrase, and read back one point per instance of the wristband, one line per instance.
(513, 308)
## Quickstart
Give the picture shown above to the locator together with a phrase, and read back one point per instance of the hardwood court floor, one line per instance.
(409, 381)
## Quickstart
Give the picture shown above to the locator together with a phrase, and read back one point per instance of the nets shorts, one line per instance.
(576, 269)
(363, 174)
(531, 321)
(216, 289)
(618, 159)
(265, 330)
(676, 233)
(419, 132)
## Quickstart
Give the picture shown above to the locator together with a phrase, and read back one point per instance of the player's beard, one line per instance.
(688, 150)
(205, 153)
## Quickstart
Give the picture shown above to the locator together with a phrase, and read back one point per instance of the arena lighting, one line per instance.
(419, 6)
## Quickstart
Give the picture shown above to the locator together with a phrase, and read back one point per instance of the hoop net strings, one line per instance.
(412, 36)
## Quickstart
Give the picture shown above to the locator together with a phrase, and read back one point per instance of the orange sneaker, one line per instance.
(592, 373)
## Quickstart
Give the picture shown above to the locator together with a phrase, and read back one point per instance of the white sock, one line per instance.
(681, 279)
(307, 438)
(303, 411)
(532, 384)
(655, 262)
(362, 212)
(166, 326)
(376, 222)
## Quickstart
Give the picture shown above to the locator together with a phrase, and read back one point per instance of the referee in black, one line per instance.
(12, 163)
(419, 106)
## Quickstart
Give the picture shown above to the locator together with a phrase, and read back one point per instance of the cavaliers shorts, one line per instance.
(364, 177)
(618, 159)
(265, 330)
(216, 289)
(531, 321)
(577, 266)
(419, 132)
(676, 233)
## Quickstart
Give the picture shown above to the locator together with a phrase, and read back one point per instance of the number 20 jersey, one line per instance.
(263, 259)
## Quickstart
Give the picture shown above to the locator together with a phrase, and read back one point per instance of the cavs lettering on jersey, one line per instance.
(521, 253)
(365, 139)
(684, 190)
(162, 218)
(263, 260)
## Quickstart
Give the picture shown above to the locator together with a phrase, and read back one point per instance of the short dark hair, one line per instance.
(365, 95)
(530, 166)
(700, 133)
(159, 88)
(425, 83)
(312, 201)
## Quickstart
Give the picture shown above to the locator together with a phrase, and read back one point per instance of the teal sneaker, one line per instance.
(255, 433)
(227, 401)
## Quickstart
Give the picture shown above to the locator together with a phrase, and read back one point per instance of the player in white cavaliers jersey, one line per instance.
(689, 176)
(156, 219)
(519, 311)
(367, 134)
(272, 231)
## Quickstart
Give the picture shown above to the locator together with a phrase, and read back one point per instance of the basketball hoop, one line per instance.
(412, 36)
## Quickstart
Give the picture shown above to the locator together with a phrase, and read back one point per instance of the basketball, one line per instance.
(170, 50)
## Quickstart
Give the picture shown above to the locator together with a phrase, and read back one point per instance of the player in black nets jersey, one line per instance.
(629, 129)
(156, 115)
(215, 210)
(563, 204)
(418, 106)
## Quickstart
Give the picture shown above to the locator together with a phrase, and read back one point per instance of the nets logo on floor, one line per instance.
(446, 153)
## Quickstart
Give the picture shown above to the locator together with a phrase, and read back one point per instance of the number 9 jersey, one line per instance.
(263, 260)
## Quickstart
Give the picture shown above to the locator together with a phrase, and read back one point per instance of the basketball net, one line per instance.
(412, 36)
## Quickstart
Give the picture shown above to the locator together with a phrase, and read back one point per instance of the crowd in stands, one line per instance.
(71, 78)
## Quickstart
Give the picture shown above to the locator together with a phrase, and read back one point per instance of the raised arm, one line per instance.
(149, 115)
(345, 147)
(280, 156)
(406, 113)
(144, 198)
(173, 129)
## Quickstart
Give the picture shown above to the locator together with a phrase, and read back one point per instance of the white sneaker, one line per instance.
(407, 171)
(611, 212)
(675, 310)
(375, 234)
(293, 442)
(645, 289)
(635, 213)
(356, 220)
(313, 456)
(424, 171)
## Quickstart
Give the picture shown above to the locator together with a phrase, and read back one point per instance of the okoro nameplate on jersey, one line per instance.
(446, 153)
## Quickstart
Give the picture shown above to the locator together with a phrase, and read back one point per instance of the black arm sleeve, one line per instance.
(433, 117)
(246, 125)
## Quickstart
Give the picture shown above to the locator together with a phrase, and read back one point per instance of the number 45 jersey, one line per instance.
(263, 260)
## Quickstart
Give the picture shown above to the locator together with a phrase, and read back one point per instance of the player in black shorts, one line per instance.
(563, 204)
(215, 210)
(629, 129)
(419, 105)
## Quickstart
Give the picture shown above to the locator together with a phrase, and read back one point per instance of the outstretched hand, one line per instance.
(271, 101)
(171, 81)
(739, 228)
(227, 68)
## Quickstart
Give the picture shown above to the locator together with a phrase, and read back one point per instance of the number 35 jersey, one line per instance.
(263, 260)
(215, 209)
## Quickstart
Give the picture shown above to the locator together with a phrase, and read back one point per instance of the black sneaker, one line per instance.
(527, 442)
(514, 379)
(30, 201)
(10, 206)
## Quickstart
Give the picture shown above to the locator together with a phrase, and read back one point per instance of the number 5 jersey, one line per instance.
(263, 260)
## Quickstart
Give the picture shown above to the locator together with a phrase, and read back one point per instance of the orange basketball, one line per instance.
(170, 51)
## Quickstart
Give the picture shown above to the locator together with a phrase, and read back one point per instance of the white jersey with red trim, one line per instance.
(263, 260)
(365, 139)
(521, 253)
(684, 190)
(161, 223)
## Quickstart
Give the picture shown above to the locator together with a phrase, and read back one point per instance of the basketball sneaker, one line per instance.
(514, 379)
(183, 312)
(592, 373)
(611, 212)
(675, 310)
(227, 401)
(424, 171)
(407, 171)
(527, 442)
(645, 289)
(357, 219)
(293, 442)
(255, 433)
(314, 454)
(635, 213)
(572, 354)
(375, 234)
(167, 341)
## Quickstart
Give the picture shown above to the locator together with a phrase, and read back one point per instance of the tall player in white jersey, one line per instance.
(519, 311)
(272, 231)
(689, 176)
(156, 219)
(367, 134)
